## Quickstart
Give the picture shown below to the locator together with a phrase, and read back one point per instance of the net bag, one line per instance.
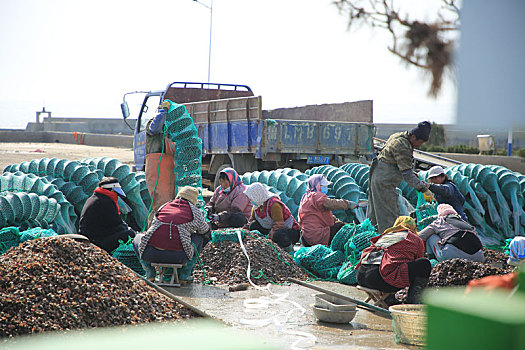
(126, 255)
(227, 235)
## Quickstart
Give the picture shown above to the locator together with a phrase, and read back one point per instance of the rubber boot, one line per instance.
(186, 273)
(391, 300)
(149, 270)
(416, 289)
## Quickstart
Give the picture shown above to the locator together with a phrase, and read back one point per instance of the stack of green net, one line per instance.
(338, 261)
(307, 257)
(126, 255)
(359, 241)
(188, 147)
(342, 236)
(9, 237)
(112, 167)
(228, 234)
(353, 249)
(329, 265)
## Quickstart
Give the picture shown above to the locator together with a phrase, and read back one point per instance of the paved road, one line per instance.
(13, 153)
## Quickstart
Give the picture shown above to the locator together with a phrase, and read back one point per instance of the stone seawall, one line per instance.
(107, 140)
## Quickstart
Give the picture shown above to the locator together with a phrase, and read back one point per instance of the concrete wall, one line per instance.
(16, 135)
(360, 111)
(87, 125)
(513, 163)
(456, 135)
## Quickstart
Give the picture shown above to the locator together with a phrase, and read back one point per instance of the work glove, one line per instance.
(215, 218)
(429, 197)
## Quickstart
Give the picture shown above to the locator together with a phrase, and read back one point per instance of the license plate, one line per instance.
(318, 160)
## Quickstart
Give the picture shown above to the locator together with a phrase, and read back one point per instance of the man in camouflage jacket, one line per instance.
(394, 164)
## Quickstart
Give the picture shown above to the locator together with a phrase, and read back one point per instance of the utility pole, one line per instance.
(210, 7)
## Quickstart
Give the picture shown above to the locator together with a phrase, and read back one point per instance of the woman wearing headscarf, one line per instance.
(272, 217)
(395, 260)
(178, 228)
(449, 237)
(318, 224)
(100, 219)
(229, 206)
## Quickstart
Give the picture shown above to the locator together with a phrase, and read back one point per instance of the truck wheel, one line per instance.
(221, 168)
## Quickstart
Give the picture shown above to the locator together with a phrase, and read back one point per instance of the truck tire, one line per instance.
(221, 168)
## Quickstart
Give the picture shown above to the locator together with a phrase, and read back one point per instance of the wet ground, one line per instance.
(279, 314)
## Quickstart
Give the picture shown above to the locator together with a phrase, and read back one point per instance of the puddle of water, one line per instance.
(366, 330)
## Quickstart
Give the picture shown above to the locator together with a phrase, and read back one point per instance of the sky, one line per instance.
(77, 58)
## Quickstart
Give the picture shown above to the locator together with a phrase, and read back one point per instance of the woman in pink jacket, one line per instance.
(229, 206)
(318, 224)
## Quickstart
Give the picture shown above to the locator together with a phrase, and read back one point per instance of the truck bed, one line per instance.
(237, 126)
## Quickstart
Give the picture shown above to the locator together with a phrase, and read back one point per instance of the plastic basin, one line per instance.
(332, 303)
(331, 316)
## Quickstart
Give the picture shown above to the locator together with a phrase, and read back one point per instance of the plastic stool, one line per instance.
(376, 296)
(162, 269)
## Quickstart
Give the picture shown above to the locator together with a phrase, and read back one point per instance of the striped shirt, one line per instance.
(393, 267)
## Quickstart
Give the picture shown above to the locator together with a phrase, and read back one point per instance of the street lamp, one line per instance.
(211, 21)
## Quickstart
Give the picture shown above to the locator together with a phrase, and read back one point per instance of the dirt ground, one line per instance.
(13, 153)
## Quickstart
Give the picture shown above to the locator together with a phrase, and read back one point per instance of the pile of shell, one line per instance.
(57, 284)
(225, 263)
(459, 272)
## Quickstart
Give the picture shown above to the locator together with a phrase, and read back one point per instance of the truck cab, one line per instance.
(179, 92)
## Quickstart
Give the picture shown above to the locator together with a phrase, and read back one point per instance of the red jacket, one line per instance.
(393, 267)
(177, 212)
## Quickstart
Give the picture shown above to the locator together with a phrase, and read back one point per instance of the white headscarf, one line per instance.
(258, 194)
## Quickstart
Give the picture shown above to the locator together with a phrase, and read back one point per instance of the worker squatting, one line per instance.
(177, 229)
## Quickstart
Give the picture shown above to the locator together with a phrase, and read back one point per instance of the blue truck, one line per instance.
(236, 131)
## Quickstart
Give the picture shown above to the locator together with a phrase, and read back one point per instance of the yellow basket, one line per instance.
(410, 323)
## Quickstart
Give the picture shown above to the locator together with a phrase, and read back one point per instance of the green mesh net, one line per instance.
(358, 242)
(227, 235)
(188, 148)
(9, 237)
(331, 260)
(337, 262)
(353, 248)
(347, 273)
(329, 273)
(307, 257)
(320, 260)
(37, 232)
(426, 212)
(126, 255)
(342, 236)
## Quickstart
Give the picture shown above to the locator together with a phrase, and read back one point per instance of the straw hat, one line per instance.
(188, 193)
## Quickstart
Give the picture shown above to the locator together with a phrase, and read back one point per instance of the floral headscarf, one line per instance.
(403, 223)
(446, 209)
(314, 183)
(258, 194)
(233, 178)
